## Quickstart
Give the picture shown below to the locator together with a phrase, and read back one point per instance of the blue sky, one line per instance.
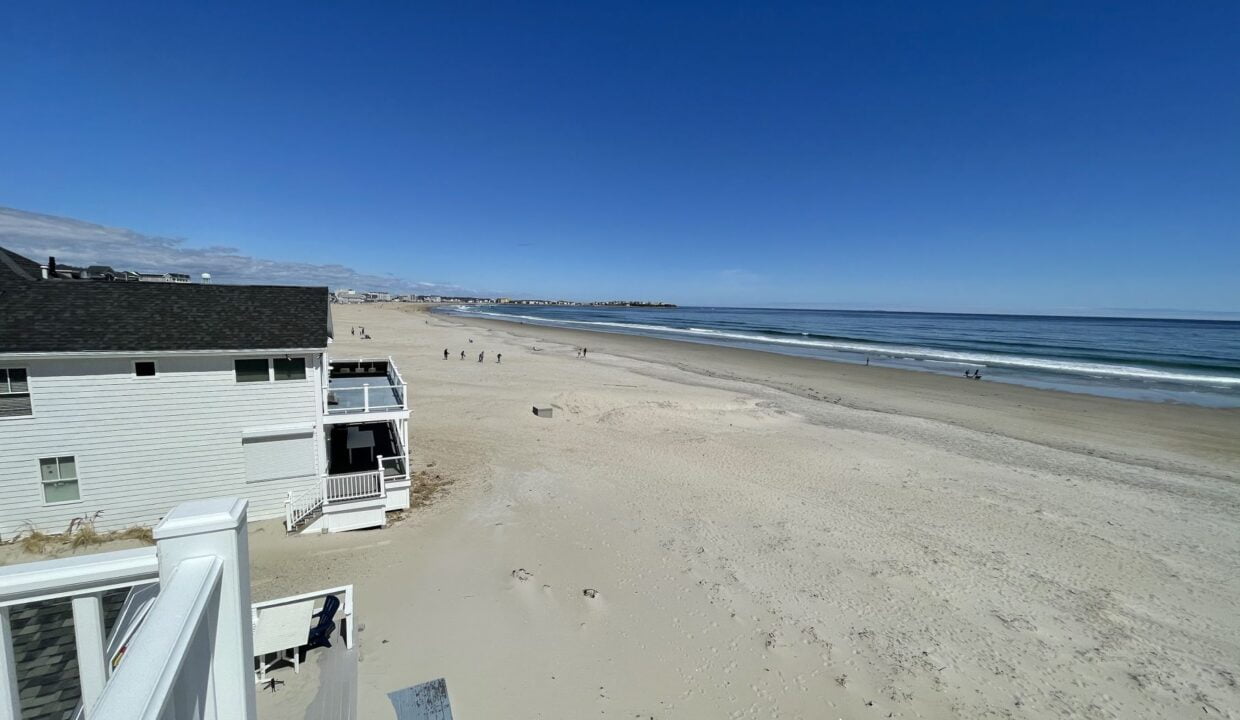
(989, 156)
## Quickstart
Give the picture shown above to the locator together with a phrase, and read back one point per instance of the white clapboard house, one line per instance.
(120, 400)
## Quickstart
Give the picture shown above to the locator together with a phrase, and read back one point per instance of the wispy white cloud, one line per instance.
(75, 242)
(741, 277)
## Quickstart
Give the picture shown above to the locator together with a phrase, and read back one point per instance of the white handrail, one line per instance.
(52, 579)
(398, 382)
(168, 674)
(298, 507)
(397, 472)
(367, 391)
(83, 579)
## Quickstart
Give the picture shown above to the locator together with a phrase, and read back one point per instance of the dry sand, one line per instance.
(777, 537)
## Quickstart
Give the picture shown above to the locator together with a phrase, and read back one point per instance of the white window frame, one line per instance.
(271, 369)
(305, 368)
(144, 377)
(239, 381)
(8, 388)
(77, 465)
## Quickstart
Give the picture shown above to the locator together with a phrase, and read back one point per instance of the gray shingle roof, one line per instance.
(16, 267)
(52, 316)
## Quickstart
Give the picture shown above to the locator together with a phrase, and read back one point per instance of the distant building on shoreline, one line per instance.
(52, 270)
(348, 295)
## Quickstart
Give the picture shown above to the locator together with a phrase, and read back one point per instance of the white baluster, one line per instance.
(366, 397)
(88, 634)
(10, 699)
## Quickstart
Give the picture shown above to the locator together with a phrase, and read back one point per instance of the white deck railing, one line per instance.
(302, 505)
(370, 397)
(394, 377)
(338, 488)
(354, 486)
(191, 657)
(170, 673)
(365, 399)
(84, 579)
(395, 467)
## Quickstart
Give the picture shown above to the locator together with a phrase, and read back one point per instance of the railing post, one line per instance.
(218, 528)
(88, 634)
(10, 697)
(366, 397)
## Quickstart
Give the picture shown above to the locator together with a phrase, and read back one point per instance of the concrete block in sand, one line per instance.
(542, 411)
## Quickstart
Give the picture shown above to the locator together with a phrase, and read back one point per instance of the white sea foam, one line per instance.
(918, 353)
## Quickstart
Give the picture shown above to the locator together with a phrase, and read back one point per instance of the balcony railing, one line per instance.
(354, 486)
(83, 580)
(344, 487)
(364, 386)
(191, 657)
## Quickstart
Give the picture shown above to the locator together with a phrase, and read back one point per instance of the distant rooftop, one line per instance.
(52, 316)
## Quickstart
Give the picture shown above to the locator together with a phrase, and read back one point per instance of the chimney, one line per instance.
(51, 267)
(43, 270)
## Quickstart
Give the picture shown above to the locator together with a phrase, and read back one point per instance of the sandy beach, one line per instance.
(776, 537)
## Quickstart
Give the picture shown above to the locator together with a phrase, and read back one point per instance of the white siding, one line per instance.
(146, 444)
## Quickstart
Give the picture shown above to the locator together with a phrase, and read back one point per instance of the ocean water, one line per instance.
(1186, 361)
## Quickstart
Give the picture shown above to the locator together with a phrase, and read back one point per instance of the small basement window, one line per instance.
(289, 368)
(144, 368)
(252, 370)
(60, 480)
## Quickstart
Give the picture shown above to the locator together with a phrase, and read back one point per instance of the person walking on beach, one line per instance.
(353, 330)
(499, 358)
(462, 354)
(484, 352)
(445, 353)
(584, 351)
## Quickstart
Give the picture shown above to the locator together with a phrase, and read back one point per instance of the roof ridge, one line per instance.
(5, 257)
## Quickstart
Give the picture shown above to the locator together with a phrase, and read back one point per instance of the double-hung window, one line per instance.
(60, 479)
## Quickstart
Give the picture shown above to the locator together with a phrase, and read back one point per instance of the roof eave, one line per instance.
(30, 355)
